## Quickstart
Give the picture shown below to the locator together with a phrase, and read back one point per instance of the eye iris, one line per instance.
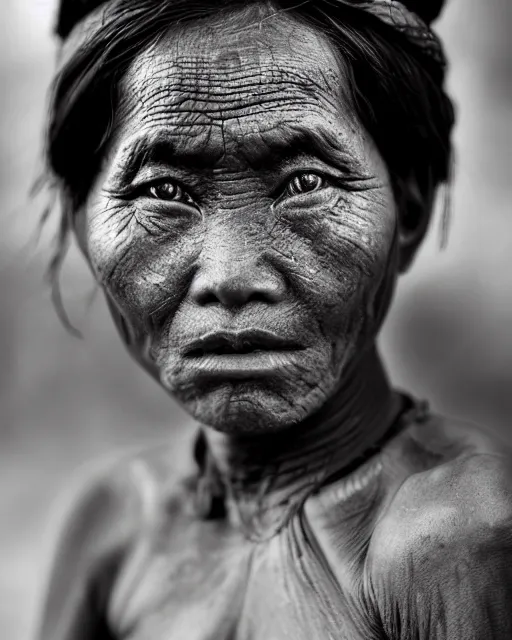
(306, 183)
(165, 191)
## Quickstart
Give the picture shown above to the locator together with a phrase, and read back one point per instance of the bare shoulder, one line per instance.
(442, 550)
(111, 498)
(106, 512)
(463, 486)
(469, 495)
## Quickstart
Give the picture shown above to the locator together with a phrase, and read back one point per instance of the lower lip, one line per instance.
(242, 366)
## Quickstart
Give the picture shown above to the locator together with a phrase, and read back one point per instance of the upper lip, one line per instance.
(233, 342)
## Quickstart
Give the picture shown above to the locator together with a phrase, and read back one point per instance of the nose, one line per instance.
(236, 282)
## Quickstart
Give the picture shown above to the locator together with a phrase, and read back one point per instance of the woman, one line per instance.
(247, 180)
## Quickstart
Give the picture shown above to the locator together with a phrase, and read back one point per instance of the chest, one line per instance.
(212, 584)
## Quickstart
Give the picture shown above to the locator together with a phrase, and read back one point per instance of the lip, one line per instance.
(231, 343)
(238, 355)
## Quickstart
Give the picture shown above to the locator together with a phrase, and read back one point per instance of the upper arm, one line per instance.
(91, 543)
(441, 563)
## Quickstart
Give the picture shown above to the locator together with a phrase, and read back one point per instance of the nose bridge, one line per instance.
(230, 236)
(232, 268)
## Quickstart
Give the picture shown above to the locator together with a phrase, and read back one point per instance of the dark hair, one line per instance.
(397, 90)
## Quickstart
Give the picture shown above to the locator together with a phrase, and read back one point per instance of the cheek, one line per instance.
(340, 254)
(143, 259)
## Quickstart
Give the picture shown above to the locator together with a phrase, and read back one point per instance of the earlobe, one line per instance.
(415, 203)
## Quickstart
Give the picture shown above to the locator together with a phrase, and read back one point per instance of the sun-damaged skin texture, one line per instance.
(242, 203)
(233, 123)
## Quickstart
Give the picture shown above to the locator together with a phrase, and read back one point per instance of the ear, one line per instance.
(415, 200)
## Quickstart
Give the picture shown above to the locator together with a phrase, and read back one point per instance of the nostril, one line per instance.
(259, 296)
(206, 297)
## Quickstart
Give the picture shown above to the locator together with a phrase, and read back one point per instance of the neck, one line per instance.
(268, 476)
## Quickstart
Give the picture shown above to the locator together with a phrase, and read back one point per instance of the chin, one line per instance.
(248, 407)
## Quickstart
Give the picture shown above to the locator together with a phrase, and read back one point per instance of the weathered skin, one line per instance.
(312, 267)
(417, 542)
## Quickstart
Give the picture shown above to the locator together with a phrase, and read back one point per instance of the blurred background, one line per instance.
(65, 401)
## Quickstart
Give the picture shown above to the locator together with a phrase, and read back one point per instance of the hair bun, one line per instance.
(427, 10)
(71, 12)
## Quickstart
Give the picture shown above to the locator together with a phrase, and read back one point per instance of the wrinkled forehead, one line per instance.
(248, 41)
(252, 69)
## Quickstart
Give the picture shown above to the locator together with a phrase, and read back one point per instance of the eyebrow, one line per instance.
(262, 150)
(321, 142)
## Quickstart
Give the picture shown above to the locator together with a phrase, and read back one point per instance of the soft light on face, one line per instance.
(243, 224)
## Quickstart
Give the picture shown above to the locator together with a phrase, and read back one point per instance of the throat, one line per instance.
(265, 479)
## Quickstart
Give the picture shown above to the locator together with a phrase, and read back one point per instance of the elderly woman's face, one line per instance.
(243, 223)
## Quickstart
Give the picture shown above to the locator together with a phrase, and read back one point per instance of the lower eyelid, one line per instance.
(306, 200)
(166, 207)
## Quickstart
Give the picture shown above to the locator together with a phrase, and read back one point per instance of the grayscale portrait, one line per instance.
(247, 182)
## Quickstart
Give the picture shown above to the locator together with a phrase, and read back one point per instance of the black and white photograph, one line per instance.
(256, 320)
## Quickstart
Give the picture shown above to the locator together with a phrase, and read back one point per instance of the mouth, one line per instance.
(240, 355)
(239, 343)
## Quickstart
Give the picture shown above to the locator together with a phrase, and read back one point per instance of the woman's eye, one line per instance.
(305, 183)
(169, 191)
